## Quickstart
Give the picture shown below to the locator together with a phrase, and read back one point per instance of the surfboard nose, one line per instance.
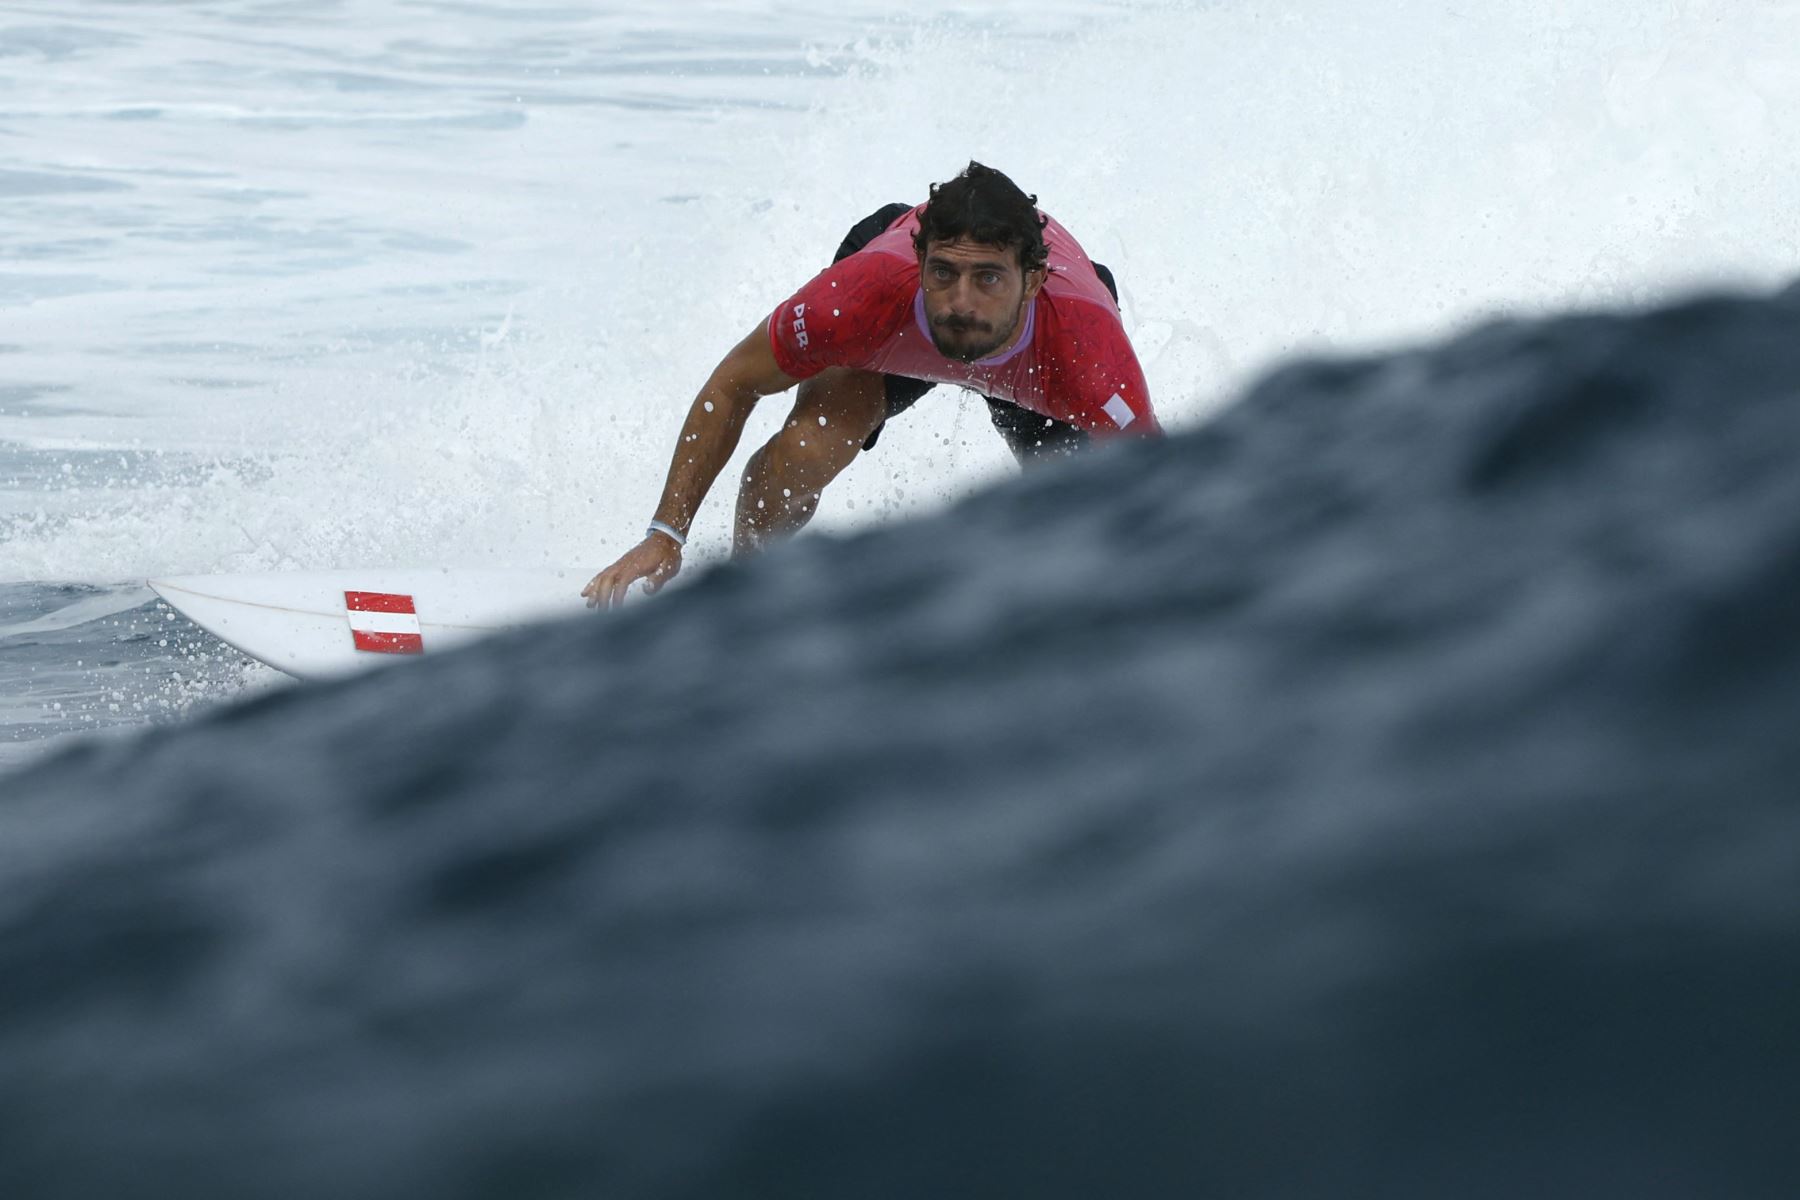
(174, 583)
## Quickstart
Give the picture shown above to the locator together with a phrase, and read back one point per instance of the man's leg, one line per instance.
(835, 412)
(1032, 438)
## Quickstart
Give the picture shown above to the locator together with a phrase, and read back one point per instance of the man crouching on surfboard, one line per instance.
(974, 287)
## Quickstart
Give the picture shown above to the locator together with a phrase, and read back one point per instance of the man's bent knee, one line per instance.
(838, 408)
(832, 416)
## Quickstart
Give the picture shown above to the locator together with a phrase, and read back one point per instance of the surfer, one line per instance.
(975, 287)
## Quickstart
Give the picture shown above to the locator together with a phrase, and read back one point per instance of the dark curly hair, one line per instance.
(983, 205)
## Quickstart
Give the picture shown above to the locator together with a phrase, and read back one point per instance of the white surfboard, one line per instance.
(318, 623)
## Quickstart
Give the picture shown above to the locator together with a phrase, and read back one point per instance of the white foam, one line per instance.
(445, 297)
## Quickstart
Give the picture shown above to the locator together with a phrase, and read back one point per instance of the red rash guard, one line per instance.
(1073, 363)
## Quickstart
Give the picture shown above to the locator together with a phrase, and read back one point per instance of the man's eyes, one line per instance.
(984, 278)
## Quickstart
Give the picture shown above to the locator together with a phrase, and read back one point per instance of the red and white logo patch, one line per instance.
(384, 622)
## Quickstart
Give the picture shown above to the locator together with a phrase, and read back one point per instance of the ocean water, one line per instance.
(1382, 787)
(1384, 790)
(421, 282)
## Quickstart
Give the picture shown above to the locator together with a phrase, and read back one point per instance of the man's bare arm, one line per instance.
(715, 422)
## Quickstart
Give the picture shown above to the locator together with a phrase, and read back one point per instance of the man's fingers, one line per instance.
(609, 588)
(599, 589)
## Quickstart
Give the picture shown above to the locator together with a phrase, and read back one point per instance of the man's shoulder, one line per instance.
(1090, 371)
(870, 278)
(844, 312)
(1078, 307)
(1082, 344)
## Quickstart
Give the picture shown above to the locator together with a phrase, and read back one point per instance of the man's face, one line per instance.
(975, 296)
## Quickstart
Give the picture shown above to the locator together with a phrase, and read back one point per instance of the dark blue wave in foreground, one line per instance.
(1388, 790)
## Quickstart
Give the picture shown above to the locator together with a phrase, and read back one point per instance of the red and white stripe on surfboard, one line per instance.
(384, 622)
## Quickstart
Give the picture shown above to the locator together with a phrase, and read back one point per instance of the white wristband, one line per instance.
(668, 531)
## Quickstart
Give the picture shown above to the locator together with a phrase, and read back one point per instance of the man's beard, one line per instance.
(968, 352)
